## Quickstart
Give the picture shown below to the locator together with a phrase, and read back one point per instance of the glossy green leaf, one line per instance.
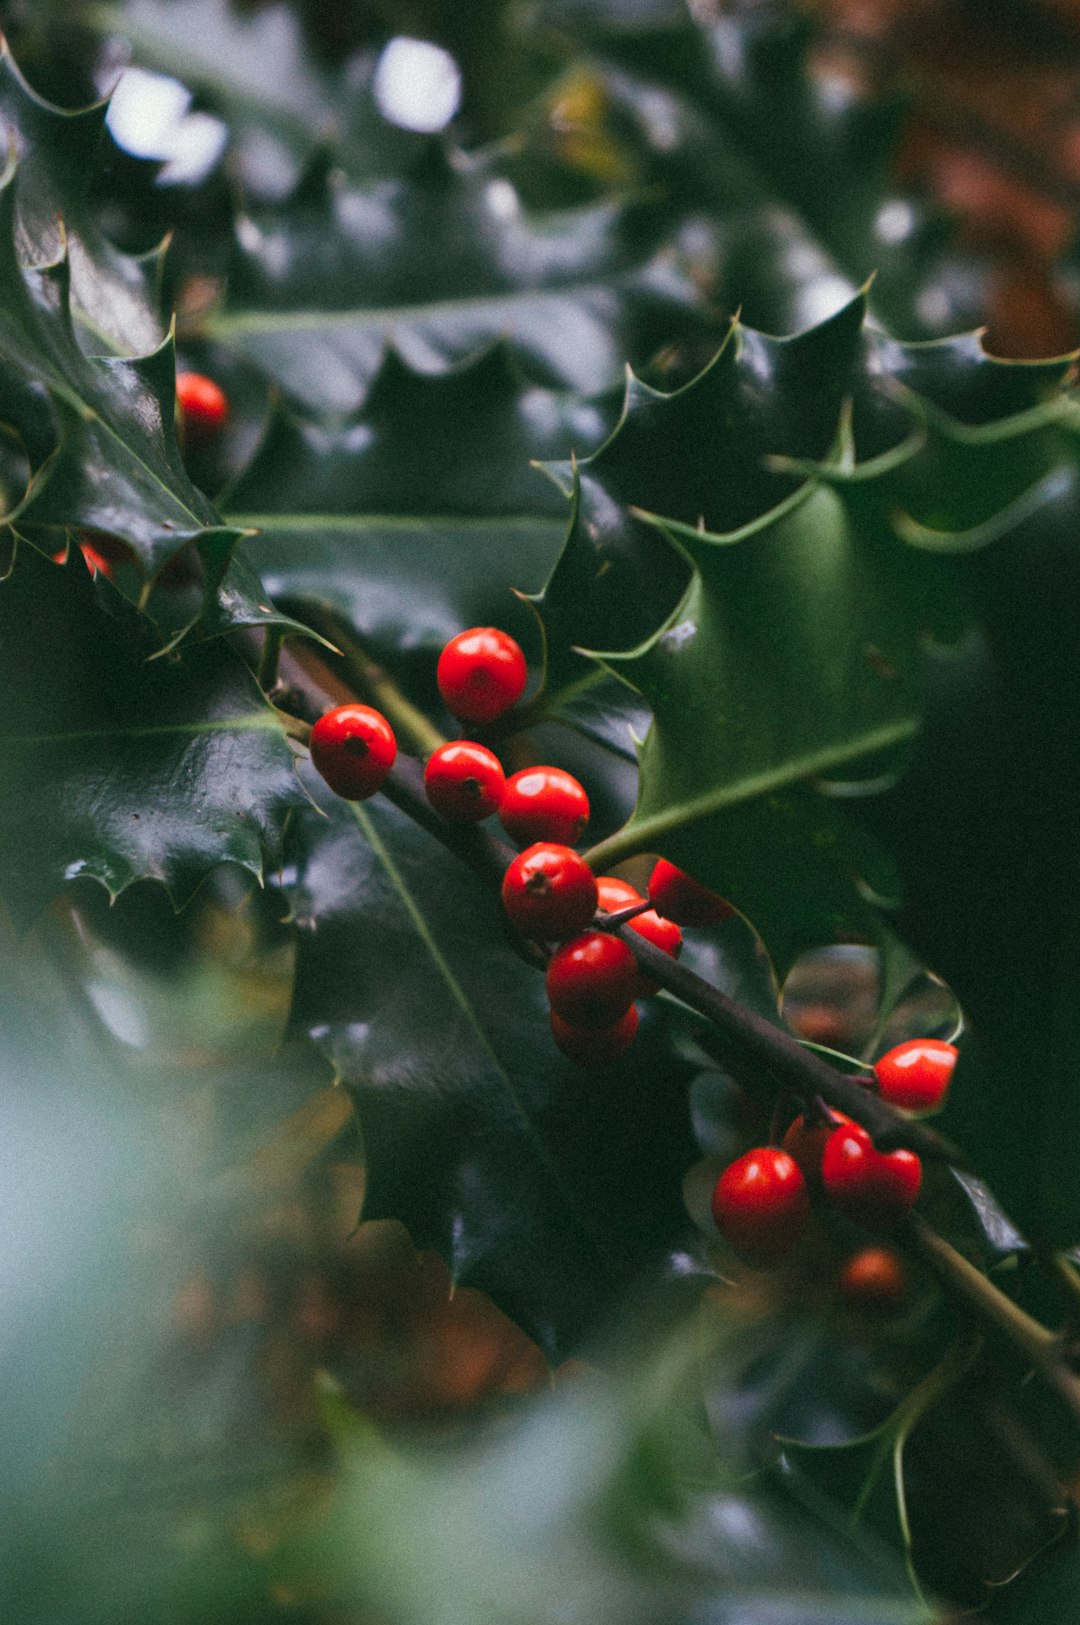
(113, 295)
(700, 456)
(792, 210)
(253, 67)
(441, 262)
(417, 518)
(739, 719)
(478, 1134)
(117, 468)
(118, 767)
(982, 829)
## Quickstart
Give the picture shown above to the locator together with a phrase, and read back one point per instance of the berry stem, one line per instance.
(295, 727)
(1040, 1346)
(743, 1039)
(483, 852)
(622, 916)
(544, 706)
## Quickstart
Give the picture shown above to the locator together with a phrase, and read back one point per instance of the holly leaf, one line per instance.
(252, 65)
(417, 517)
(791, 214)
(746, 730)
(117, 467)
(928, 1470)
(118, 767)
(737, 720)
(706, 455)
(479, 1136)
(441, 262)
(113, 295)
(989, 793)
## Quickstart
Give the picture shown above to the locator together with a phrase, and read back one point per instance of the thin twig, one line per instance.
(374, 684)
(1035, 1341)
(746, 1038)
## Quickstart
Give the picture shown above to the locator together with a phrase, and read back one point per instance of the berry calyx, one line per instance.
(204, 408)
(481, 673)
(544, 804)
(760, 1204)
(464, 781)
(679, 897)
(595, 1046)
(806, 1143)
(917, 1074)
(875, 1281)
(590, 980)
(549, 892)
(353, 747)
(875, 1189)
(615, 894)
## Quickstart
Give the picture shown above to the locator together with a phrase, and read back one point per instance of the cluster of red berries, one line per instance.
(762, 1202)
(549, 892)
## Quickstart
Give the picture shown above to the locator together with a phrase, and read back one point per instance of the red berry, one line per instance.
(664, 934)
(595, 1046)
(916, 1075)
(874, 1188)
(679, 897)
(353, 747)
(615, 894)
(481, 673)
(101, 553)
(806, 1143)
(464, 781)
(590, 980)
(549, 892)
(544, 804)
(875, 1280)
(760, 1204)
(204, 407)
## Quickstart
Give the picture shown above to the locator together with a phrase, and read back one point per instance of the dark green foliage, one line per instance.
(800, 613)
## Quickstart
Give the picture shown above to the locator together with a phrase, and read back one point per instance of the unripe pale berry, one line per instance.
(544, 804)
(917, 1074)
(590, 980)
(464, 781)
(353, 747)
(481, 673)
(549, 892)
(760, 1204)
